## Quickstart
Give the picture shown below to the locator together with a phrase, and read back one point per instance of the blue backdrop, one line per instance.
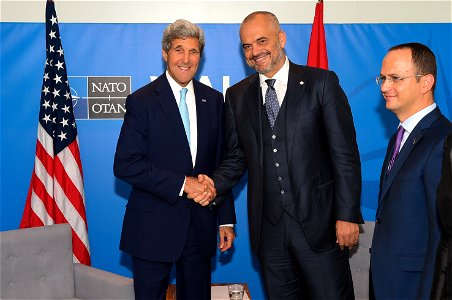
(355, 52)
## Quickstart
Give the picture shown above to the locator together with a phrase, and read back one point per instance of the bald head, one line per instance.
(271, 19)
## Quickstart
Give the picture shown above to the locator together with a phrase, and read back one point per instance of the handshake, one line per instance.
(200, 189)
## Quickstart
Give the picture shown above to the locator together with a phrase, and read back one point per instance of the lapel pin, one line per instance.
(203, 100)
(301, 82)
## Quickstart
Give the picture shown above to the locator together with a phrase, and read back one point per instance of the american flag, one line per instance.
(56, 189)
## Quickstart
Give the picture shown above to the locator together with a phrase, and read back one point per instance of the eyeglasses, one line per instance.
(393, 79)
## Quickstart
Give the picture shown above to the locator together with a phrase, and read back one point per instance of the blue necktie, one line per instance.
(271, 102)
(183, 109)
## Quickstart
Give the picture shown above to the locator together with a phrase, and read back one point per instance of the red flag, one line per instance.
(317, 55)
(56, 190)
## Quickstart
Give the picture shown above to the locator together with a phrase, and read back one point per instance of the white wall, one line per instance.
(301, 11)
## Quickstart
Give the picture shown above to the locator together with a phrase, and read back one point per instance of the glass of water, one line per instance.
(235, 291)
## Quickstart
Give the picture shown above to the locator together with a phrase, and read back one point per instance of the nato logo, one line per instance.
(99, 97)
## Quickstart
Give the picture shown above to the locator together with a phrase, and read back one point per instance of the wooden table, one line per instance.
(171, 292)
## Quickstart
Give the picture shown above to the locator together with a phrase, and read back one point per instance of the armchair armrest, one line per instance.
(92, 283)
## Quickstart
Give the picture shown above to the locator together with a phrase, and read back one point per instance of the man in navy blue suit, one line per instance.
(173, 130)
(291, 127)
(407, 231)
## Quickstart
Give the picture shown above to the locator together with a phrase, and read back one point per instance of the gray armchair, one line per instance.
(36, 263)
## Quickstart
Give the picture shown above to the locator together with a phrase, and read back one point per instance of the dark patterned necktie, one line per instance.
(396, 150)
(271, 102)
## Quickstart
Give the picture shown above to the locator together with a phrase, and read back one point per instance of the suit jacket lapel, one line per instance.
(293, 98)
(253, 99)
(169, 107)
(384, 167)
(201, 120)
(414, 138)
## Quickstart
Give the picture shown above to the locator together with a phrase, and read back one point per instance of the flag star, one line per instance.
(51, 49)
(62, 135)
(51, 63)
(46, 77)
(66, 108)
(53, 20)
(46, 90)
(54, 106)
(46, 104)
(56, 93)
(54, 121)
(64, 122)
(61, 52)
(67, 95)
(52, 34)
(46, 118)
(73, 124)
(59, 65)
(57, 78)
(47, 62)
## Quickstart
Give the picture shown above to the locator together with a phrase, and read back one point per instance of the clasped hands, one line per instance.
(200, 189)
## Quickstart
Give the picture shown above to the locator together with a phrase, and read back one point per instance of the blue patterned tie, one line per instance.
(183, 109)
(395, 152)
(271, 102)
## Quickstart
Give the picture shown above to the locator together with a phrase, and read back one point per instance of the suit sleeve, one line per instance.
(233, 165)
(225, 201)
(132, 163)
(338, 122)
(432, 175)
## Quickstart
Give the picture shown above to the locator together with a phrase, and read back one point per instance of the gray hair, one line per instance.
(182, 29)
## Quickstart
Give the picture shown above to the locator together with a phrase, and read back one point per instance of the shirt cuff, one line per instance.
(182, 189)
(227, 225)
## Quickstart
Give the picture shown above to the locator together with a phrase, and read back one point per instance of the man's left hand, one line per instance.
(347, 234)
(227, 236)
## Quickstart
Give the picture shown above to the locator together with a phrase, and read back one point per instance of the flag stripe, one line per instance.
(39, 209)
(68, 187)
(46, 140)
(71, 168)
(30, 218)
(75, 150)
(81, 249)
(42, 170)
(66, 204)
(79, 238)
(39, 194)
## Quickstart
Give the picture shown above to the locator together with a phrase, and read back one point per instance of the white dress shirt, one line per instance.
(282, 77)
